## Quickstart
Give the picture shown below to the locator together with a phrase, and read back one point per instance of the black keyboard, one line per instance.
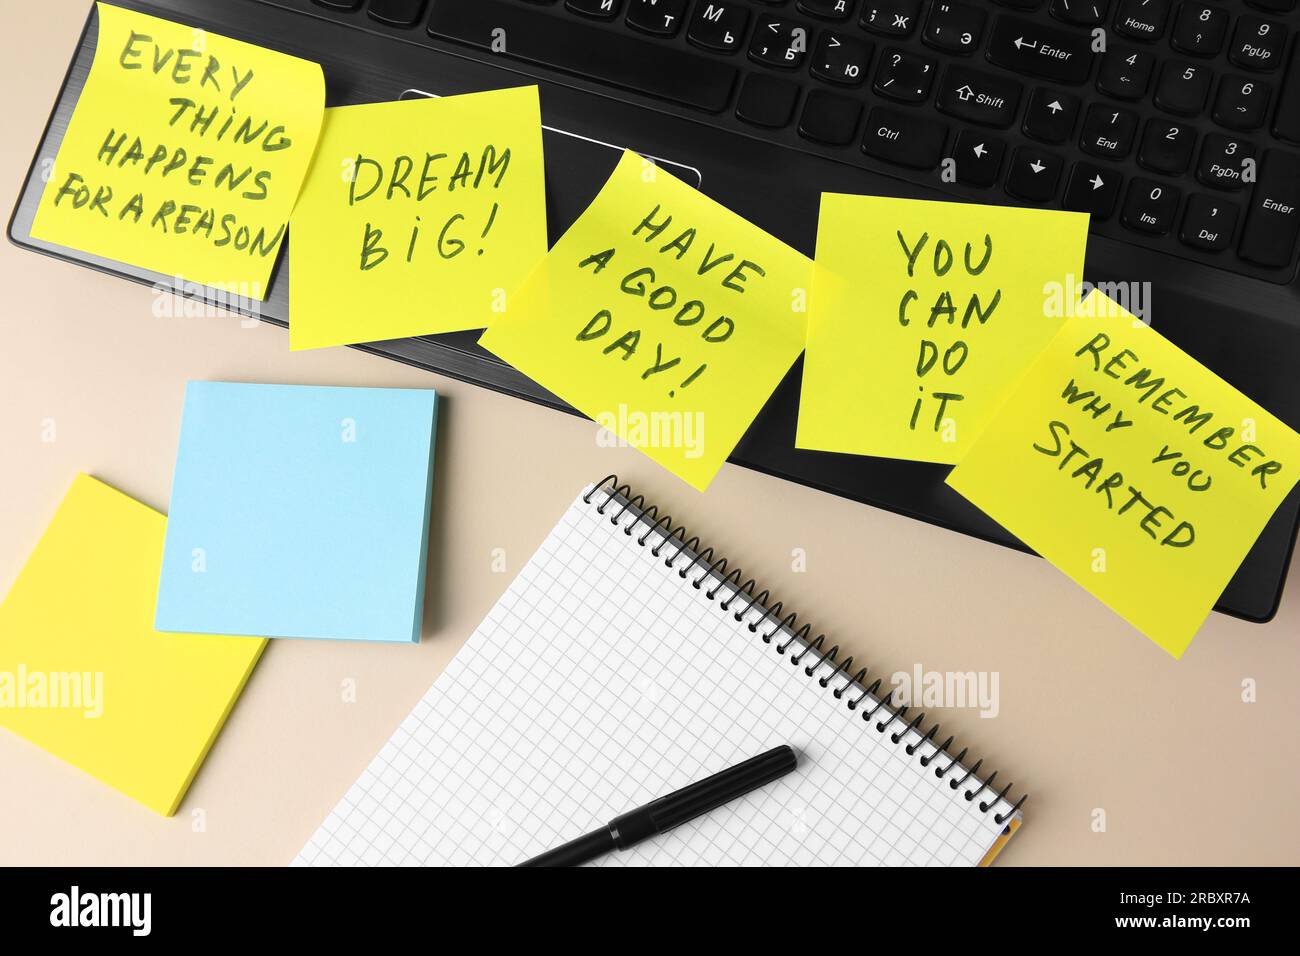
(1176, 125)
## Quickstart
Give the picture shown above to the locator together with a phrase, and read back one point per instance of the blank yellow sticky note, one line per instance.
(419, 216)
(1134, 469)
(84, 675)
(922, 314)
(663, 316)
(185, 153)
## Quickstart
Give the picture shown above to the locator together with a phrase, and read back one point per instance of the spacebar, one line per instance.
(641, 65)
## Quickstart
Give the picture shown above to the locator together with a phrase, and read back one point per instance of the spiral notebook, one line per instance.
(625, 661)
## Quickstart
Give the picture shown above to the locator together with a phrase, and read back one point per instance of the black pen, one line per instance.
(663, 814)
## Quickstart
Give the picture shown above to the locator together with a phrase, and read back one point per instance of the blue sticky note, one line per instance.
(299, 511)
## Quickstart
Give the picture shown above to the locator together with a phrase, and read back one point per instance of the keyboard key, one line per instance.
(840, 58)
(977, 159)
(1241, 103)
(778, 42)
(1257, 44)
(1108, 132)
(596, 9)
(1051, 115)
(397, 13)
(827, 9)
(1274, 6)
(829, 118)
(954, 27)
(1080, 13)
(718, 26)
(1166, 147)
(1286, 122)
(661, 18)
(891, 18)
(1034, 174)
(1141, 19)
(1125, 73)
(1183, 87)
(582, 49)
(1208, 223)
(1093, 190)
(1064, 56)
(904, 76)
(978, 97)
(1273, 216)
(904, 139)
(1200, 29)
(1224, 161)
(1150, 207)
(339, 4)
(766, 100)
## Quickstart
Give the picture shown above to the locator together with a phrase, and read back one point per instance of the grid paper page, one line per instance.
(602, 680)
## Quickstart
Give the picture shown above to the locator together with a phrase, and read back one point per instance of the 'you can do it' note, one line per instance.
(185, 153)
(921, 314)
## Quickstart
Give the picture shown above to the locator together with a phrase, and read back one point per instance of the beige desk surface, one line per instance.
(1092, 715)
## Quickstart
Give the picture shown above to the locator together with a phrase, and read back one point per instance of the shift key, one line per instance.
(1273, 219)
(1028, 47)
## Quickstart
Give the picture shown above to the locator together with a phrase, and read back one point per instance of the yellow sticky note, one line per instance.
(185, 153)
(84, 675)
(1133, 468)
(663, 316)
(922, 314)
(418, 216)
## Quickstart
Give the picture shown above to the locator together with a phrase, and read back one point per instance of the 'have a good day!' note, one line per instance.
(418, 216)
(922, 313)
(1134, 469)
(185, 153)
(663, 316)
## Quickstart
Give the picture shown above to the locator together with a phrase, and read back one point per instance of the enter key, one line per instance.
(1273, 220)
(1029, 47)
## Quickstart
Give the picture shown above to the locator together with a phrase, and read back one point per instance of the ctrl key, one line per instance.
(1208, 224)
(904, 139)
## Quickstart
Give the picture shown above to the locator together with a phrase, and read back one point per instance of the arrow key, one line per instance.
(1033, 174)
(977, 159)
(1093, 190)
(1051, 115)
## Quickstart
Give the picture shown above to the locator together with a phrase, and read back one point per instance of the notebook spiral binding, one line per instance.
(825, 657)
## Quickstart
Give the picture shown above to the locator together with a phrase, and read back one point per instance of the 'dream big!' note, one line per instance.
(1133, 468)
(663, 316)
(922, 313)
(418, 216)
(184, 154)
